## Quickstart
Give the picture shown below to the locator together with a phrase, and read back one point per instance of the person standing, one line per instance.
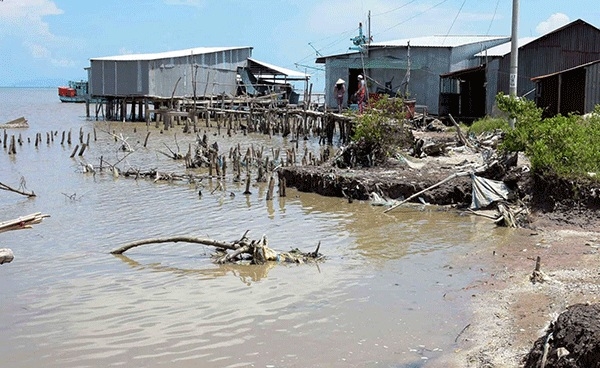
(340, 90)
(361, 93)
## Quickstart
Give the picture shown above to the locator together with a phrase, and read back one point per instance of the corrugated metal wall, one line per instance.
(390, 64)
(118, 78)
(592, 87)
(214, 73)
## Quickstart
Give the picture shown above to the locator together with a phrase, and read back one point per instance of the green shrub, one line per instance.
(488, 124)
(380, 129)
(567, 146)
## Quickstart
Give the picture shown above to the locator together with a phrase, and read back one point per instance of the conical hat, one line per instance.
(340, 81)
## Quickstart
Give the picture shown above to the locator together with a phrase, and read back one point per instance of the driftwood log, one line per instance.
(244, 249)
(24, 222)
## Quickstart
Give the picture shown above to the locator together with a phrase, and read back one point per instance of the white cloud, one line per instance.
(38, 51)
(555, 21)
(28, 8)
(24, 20)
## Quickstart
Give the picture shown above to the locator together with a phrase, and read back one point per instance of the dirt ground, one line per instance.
(510, 311)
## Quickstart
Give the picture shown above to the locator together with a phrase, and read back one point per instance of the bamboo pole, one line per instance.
(453, 176)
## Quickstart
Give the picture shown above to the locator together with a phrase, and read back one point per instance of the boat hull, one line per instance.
(75, 99)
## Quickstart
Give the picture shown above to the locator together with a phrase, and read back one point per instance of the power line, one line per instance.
(414, 16)
(341, 38)
(493, 18)
(455, 18)
(393, 10)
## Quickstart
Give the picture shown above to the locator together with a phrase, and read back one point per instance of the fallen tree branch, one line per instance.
(257, 251)
(10, 189)
(176, 239)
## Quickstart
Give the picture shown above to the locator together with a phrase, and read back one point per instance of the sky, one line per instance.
(49, 42)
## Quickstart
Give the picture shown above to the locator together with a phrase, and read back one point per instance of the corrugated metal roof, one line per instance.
(437, 41)
(269, 70)
(535, 79)
(504, 49)
(169, 54)
(321, 59)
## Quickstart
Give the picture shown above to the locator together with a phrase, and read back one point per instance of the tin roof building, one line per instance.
(408, 67)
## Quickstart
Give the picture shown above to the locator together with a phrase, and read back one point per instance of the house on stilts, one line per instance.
(140, 87)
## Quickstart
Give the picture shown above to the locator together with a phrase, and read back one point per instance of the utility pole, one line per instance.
(514, 54)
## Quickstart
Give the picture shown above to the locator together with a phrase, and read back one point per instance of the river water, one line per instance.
(391, 292)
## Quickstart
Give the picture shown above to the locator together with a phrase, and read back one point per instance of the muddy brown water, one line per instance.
(391, 292)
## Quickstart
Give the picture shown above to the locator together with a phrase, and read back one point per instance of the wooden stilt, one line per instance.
(270, 190)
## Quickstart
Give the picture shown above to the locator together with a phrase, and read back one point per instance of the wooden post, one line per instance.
(74, 151)
(270, 190)
(247, 191)
(69, 137)
(12, 149)
(146, 140)
(282, 184)
(62, 140)
(83, 147)
(224, 166)
(217, 166)
(124, 110)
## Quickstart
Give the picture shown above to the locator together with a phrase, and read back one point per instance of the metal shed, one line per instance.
(572, 45)
(387, 65)
(575, 90)
(199, 71)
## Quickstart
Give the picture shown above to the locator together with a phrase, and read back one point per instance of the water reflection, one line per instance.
(246, 273)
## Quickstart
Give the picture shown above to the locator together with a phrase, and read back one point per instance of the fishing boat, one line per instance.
(74, 92)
